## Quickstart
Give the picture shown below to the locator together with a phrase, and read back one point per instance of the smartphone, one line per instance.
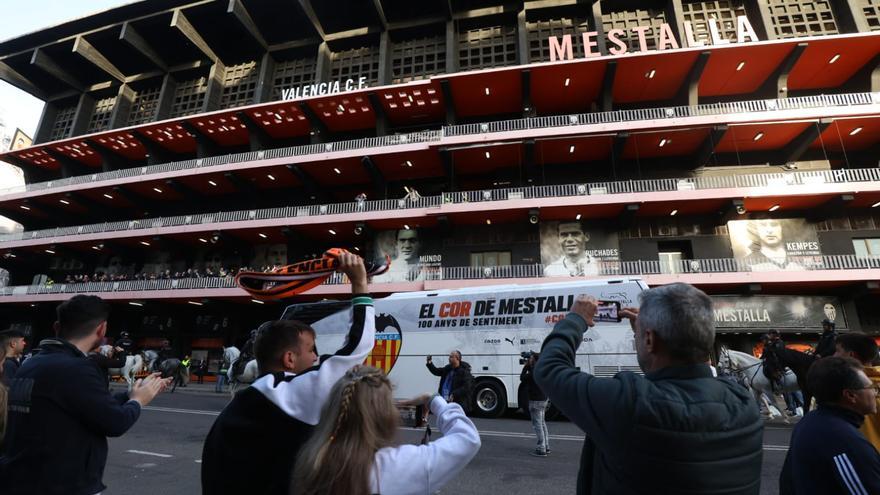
(608, 311)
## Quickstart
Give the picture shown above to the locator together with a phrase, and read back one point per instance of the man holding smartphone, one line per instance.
(677, 425)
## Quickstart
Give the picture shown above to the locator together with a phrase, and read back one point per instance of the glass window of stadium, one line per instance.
(491, 258)
(867, 247)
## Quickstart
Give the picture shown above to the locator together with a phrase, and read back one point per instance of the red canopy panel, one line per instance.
(586, 212)
(787, 203)
(268, 178)
(849, 135)
(224, 129)
(209, 185)
(344, 112)
(760, 137)
(496, 92)
(740, 69)
(573, 150)
(657, 76)
(413, 104)
(156, 190)
(37, 156)
(698, 207)
(828, 63)
(342, 171)
(484, 159)
(566, 87)
(409, 166)
(281, 120)
(79, 151)
(122, 143)
(172, 137)
(664, 143)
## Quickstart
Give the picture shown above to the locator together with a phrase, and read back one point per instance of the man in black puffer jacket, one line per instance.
(675, 430)
(456, 380)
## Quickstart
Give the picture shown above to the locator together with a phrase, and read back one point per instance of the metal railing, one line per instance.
(777, 181)
(604, 269)
(662, 113)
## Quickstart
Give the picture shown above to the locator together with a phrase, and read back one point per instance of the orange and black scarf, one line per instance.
(290, 280)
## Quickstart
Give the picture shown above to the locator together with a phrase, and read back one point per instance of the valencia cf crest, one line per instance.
(389, 338)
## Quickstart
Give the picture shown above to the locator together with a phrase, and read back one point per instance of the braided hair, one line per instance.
(358, 419)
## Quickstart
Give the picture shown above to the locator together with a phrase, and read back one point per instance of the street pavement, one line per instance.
(161, 454)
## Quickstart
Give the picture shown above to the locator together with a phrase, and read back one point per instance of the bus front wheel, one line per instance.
(490, 401)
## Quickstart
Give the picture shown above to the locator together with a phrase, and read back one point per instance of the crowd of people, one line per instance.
(207, 272)
(327, 427)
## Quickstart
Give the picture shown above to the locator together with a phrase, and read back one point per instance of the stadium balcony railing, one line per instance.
(777, 181)
(646, 114)
(605, 269)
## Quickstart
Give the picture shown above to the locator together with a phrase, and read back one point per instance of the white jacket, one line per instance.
(424, 469)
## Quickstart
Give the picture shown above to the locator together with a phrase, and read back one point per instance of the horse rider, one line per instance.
(773, 368)
(114, 359)
(163, 353)
(125, 343)
(826, 346)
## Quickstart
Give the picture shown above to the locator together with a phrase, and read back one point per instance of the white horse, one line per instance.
(751, 371)
(133, 365)
(247, 376)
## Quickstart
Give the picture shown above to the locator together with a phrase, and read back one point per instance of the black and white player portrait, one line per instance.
(771, 244)
(410, 254)
(570, 249)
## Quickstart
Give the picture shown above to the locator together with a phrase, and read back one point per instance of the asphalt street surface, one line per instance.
(161, 454)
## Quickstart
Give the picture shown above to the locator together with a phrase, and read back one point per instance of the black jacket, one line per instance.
(533, 391)
(828, 455)
(253, 444)
(677, 430)
(10, 368)
(462, 383)
(60, 415)
(826, 345)
(255, 438)
(127, 345)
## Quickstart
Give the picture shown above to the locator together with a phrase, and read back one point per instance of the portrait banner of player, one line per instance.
(771, 244)
(573, 249)
(413, 252)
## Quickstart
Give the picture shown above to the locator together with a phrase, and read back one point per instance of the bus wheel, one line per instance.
(489, 398)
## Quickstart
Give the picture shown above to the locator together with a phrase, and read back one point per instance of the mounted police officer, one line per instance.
(125, 343)
(774, 370)
(826, 346)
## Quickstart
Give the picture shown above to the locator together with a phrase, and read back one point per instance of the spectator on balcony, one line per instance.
(575, 261)
(768, 252)
(405, 262)
(361, 200)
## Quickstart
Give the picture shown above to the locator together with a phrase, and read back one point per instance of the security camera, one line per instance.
(534, 216)
(359, 229)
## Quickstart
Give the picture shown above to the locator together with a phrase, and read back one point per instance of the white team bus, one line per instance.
(490, 325)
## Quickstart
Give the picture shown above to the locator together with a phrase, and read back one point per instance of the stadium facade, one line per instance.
(729, 144)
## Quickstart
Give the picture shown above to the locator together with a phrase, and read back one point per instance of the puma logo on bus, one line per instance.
(510, 340)
(386, 348)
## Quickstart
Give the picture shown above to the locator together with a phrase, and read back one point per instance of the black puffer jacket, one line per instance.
(677, 430)
(827, 343)
(462, 383)
(60, 415)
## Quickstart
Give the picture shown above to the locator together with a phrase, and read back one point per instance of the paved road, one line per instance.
(161, 453)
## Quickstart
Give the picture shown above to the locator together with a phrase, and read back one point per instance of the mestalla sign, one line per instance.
(561, 48)
(794, 313)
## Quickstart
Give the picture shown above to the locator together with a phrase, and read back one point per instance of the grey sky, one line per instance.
(17, 108)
